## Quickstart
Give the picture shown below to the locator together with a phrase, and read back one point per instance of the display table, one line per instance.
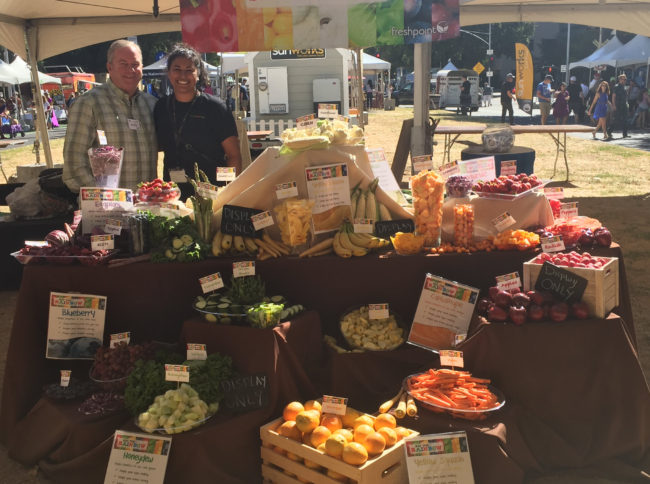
(594, 380)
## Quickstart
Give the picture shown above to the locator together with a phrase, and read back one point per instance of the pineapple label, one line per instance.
(243, 268)
(119, 338)
(262, 220)
(196, 351)
(211, 283)
(65, 377)
(177, 373)
(335, 405)
(453, 358)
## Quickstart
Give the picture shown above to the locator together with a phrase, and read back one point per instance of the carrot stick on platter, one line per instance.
(453, 390)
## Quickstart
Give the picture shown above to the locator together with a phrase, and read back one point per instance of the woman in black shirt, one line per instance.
(191, 126)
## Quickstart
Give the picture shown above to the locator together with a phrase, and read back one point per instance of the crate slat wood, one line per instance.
(602, 292)
(387, 468)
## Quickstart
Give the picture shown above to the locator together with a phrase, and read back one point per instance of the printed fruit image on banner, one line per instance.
(246, 25)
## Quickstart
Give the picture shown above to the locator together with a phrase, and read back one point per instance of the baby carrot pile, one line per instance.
(453, 390)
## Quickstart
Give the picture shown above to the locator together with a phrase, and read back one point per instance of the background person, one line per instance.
(507, 88)
(487, 95)
(619, 107)
(193, 126)
(544, 94)
(599, 108)
(465, 96)
(576, 100)
(123, 113)
(561, 104)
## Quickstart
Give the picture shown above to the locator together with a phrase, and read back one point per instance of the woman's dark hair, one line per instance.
(186, 52)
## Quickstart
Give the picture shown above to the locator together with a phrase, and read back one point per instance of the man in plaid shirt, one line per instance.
(118, 111)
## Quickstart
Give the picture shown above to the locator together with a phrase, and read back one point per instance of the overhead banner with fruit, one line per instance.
(254, 25)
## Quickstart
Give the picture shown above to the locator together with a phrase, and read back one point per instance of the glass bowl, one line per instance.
(116, 385)
(162, 195)
(373, 326)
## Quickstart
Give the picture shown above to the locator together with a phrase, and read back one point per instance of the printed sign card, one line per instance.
(438, 459)
(99, 204)
(75, 326)
(329, 187)
(137, 458)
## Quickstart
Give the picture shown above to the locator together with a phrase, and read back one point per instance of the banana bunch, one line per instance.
(366, 206)
(347, 243)
(226, 244)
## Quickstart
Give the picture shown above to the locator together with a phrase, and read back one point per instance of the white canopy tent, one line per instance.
(23, 72)
(592, 60)
(636, 51)
(39, 29)
(232, 62)
(370, 62)
(160, 66)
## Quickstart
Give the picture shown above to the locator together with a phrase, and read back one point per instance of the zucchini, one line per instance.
(170, 255)
(211, 318)
(177, 243)
(187, 240)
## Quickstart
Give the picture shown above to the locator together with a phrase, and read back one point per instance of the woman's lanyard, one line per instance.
(178, 130)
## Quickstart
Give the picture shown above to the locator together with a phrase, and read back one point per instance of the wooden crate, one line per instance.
(602, 292)
(387, 468)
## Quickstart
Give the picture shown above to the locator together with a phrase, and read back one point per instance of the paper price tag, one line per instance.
(345, 119)
(179, 373)
(286, 190)
(364, 226)
(378, 311)
(113, 226)
(170, 208)
(308, 121)
(450, 169)
(226, 173)
(376, 155)
(117, 338)
(509, 167)
(421, 163)
(503, 221)
(177, 176)
(262, 220)
(335, 405)
(553, 244)
(101, 136)
(243, 269)
(452, 358)
(102, 242)
(459, 338)
(510, 281)
(568, 210)
(330, 111)
(208, 190)
(36, 243)
(554, 193)
(211, 283)
(196, 351)
(65, 377)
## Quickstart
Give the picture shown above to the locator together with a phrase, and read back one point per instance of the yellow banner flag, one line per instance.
(524, 81)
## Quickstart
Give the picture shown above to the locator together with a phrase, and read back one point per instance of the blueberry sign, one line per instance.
(564, 284)
(391, 227)
(245, 393)
(236, 220)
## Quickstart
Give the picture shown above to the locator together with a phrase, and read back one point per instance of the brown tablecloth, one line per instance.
(153, 300)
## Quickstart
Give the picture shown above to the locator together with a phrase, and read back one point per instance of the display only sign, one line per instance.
(75, 326)
(137, 457)
(311, 25)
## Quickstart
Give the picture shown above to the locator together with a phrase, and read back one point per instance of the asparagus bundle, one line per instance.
(202, 206)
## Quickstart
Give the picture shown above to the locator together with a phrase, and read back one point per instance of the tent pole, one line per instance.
(41, 125)
(359, 75)
(422, 65)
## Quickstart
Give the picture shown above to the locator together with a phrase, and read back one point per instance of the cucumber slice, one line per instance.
(284, 314)
(224, 299)
(200, 303)
(278, 299)
(223, 306)
(177, 243)
(211, 318)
